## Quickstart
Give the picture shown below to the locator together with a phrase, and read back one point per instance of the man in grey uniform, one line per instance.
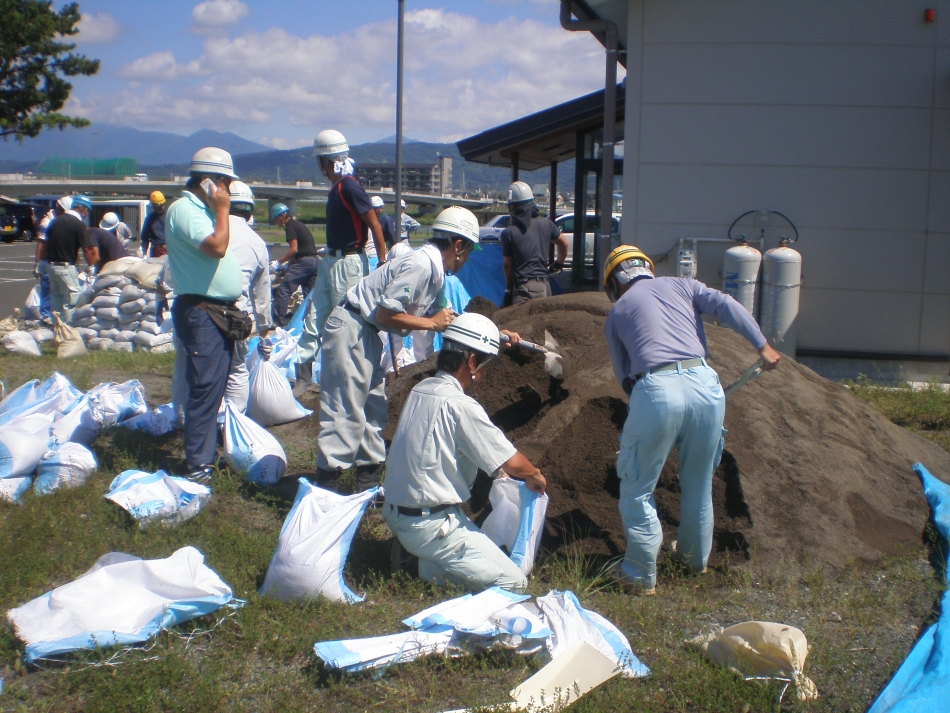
(444, 436)
(392, 298)
(658, 351)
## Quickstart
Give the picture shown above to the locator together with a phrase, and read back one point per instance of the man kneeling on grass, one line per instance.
(444, 436)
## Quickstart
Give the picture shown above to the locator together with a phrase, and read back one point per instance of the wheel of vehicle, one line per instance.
(8, 238)
(28, 236)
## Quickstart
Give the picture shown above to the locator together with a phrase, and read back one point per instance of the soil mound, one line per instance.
(809, 471)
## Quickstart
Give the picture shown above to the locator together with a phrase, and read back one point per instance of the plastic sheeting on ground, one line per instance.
(313, 544)
(122, 599)
(516, 520)
(250, 449)
(483, 275)
(571, 622)
(157, 497)
(67, 466)
(270, 399)
(922, 683)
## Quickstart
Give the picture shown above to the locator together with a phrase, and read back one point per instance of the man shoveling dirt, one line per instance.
(658, 350)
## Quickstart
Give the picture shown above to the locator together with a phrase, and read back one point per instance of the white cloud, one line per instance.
(97, 29)
(216, 15)
(280, 143)
(462, 76)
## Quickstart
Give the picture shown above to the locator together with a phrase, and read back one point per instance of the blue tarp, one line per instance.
(922, 683)
(483, 275)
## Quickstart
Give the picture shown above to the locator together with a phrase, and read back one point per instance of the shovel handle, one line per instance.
(750, 373)
(531, 346)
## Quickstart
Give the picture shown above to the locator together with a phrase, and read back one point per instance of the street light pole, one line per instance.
(92, 153)
(399, 53)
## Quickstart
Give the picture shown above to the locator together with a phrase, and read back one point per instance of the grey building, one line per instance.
(416, 177)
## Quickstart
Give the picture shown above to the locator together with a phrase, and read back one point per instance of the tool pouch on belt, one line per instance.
(233, 323)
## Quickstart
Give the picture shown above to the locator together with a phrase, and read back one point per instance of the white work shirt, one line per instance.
(410, 284)
(251, 253)
(442, 439)
(44, 224)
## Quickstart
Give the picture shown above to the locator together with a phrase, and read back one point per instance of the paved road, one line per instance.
(16, 275)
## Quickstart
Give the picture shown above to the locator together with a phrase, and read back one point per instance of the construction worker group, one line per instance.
(370, 286)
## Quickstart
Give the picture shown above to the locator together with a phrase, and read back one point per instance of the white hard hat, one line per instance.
(212, 161)
(475, 331)
(330, 142)
(65, 203)
(402, 204)
(457, 220)
(241, 193)
(520, 191)
(110, 221)
(376, 202)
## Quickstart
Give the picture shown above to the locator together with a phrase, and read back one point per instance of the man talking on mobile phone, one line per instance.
(207, 279)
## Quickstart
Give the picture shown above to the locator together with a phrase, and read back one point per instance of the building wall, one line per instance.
(835, 113)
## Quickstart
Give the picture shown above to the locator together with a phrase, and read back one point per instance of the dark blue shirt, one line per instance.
(389, 228)
(153, 230)
(345, 229)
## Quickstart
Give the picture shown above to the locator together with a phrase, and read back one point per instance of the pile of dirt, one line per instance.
(809, 471)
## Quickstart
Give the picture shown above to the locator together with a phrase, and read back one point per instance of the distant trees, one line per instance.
(33, 63)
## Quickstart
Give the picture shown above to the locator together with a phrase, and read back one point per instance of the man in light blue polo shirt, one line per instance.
(205, 273)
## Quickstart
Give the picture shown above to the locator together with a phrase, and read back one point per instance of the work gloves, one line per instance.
(556, 267)
(265, 347)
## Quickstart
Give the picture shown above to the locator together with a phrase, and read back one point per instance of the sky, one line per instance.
(279, 71)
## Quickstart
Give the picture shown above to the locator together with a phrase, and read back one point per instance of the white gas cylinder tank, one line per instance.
(740, 271)
(781, 289)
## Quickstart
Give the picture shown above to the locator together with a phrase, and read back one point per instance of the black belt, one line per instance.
(345, 304)
(419, 512)
(198, 300)
(62, 264)
(301, 257)
(341, 253)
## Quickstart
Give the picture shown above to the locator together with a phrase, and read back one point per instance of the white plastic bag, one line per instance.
(20, 451)
(313, 545)
(516, 521)
(251, 450)
(27, 393)
(468, 612)
(68, 466)
(270, 398)
(12, 489)
(21, 343)
(157, 497)
(32, 303)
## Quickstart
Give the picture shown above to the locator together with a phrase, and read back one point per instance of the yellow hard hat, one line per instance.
(622, 254)
(157, 198)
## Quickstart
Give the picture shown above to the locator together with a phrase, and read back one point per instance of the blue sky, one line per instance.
(279, 71)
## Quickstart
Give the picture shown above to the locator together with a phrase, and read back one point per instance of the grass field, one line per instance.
(860, 622)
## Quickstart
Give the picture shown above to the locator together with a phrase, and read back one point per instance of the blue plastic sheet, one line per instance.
(482, 274)
(922, 683)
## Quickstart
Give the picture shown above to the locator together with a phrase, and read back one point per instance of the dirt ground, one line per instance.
(809, 472)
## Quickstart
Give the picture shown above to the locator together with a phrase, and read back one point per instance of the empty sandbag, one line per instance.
(516, 520)
(67, 466)
(270, 398)
(21, 343)
(251, 450)
(20, 451)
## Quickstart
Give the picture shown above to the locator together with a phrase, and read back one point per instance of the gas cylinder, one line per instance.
(781, 288)
(740, 270)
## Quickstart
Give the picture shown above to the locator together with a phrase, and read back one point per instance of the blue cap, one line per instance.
(278, 209)
(83, 201)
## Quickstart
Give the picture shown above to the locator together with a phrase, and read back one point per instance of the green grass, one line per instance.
(925, 411)
(860, 622)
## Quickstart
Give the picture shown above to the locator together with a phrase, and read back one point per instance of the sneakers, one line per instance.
(305, 380)
(368, 476)
(631, 587)
(202, 475)
(328, 479)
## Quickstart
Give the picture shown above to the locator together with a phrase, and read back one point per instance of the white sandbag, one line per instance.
(353, 655)
(67, 466)
(250, 449)
(161, 348)
(118, 266)
(20, 451)
(21, 343)
(42, 335)
(270, 399)
(145, 273)
(132, 326)
(107, 313)
(87, 333)
(159, 421)
(131, 293)
(157, 497)
(13, 489)
(32, 304)
(79, 425)
(108, 324)
(11, 323)
(149, 327)
(466, 613)
(105, 301)
(108, 283)
(67, 340)
(126, 335)
(109, 334)
(516, 521)
(313, 544)
(87, 311)
(127, 317)
(21, 396)
(101, 344)
(147, 339)
(570, 622)
(114, 403)
(33, 392)
(36, 423)
(121, 600)
(124, 347)
(85, 322)
(133, 307)
(85, 296)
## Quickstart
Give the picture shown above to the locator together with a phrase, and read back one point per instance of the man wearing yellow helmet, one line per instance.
(658, 351)
(153, 229)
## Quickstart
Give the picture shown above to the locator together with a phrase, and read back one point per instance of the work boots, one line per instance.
(368, 476)
(304, 380)
(328, 479)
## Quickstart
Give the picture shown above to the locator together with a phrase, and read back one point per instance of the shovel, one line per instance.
(553, 362)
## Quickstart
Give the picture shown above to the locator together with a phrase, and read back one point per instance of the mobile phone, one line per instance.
(208, 186)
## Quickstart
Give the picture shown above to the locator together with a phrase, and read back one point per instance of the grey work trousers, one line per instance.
(352, 393)
(531, 290)
(63, 289)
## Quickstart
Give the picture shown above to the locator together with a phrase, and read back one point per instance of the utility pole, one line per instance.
(92, 153)
(399, 54)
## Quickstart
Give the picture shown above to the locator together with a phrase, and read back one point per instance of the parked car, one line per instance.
(566, 224)
(17, 221)
(140, 177)
(491, 231)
